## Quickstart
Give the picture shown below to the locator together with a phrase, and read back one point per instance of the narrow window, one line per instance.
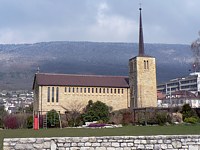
(76, 90)
(52, 94)
(48, 95)
(111, 90)
(147, 64)
(92, 90)
(104, 90)
(122, 91)
(144, 64)
(57, 94)
(73, 90)
(107, 90)
(69, 89)
(81, 90)
(118, 91)
(84, 90)
(99, 90)
(115, 91)
(65, 89)
(96, 90)
(88, 90)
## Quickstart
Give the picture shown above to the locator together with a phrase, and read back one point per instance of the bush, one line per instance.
(96, 111)
(10, 122)
(116, 117)
(187, 111)
(21, 120)
(127, 118)
(191, 120)
(29, 123)
(161, 118)
(52, 119)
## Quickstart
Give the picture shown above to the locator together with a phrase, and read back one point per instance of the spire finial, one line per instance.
(38, 69)
(141, 41)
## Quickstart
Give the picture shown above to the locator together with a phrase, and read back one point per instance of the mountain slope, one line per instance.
(19, 62)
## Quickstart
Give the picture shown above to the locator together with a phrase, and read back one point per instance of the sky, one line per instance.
(164, 21)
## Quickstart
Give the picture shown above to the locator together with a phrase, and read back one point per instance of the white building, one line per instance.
(190, 83)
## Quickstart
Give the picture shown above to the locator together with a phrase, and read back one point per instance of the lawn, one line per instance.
(127, 130)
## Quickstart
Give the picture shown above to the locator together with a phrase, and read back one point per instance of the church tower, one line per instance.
(142, 76)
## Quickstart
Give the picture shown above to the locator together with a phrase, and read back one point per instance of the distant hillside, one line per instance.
(19, 62)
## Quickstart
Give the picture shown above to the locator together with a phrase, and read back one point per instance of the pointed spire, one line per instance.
(141, 41)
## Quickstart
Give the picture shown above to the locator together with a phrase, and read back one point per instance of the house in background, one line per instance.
(179, 98)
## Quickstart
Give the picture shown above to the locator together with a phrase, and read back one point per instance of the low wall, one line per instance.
(191, 142)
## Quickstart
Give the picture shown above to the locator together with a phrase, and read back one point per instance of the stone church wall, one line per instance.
(170, 142)
(119, 98)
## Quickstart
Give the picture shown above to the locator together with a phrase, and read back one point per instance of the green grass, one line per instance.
(128, 131)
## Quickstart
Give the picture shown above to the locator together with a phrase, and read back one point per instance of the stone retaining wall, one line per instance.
(174, 142)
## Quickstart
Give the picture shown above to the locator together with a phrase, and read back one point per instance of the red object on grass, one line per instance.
(36, 122)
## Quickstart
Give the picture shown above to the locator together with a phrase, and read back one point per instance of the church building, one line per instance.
(63, 92)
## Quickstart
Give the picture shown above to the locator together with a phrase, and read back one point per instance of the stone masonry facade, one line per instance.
(164, 142)
(142, 76)
(117, 99)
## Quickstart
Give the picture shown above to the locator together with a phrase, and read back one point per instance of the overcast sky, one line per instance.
(164, 21)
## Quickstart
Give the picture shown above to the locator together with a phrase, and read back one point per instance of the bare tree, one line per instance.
(73, 113)
(195, 47)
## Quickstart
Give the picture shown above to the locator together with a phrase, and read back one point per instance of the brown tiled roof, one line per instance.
(46, 79)
(184, 93)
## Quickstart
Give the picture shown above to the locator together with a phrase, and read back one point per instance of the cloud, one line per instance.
(111, 27)
(93, 20)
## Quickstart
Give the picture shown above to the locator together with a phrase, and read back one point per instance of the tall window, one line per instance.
(88, 90)
(92, 90)
(48, 95)
(122, 91)
(96, 90)
(104, 90)
(145, 64)
(69, 89)
(118, 91)
(52, 94)
(99, 90)
(111, 90)
(107, 90)
(57, 94)
(84, 90)
(65, 89)
(76, 90)
(81, 90)
(73, 89)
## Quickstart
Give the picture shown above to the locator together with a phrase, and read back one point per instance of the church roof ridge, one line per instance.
(49, 79)
(90, 75)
